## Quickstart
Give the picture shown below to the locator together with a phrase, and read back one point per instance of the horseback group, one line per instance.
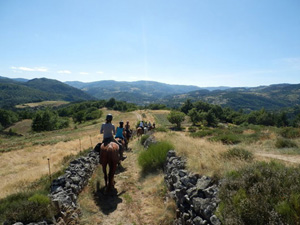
(143, 127)
(112, 148)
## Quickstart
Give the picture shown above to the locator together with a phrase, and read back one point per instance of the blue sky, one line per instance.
(193, 42)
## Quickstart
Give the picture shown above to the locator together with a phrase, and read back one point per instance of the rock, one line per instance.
(214, 220)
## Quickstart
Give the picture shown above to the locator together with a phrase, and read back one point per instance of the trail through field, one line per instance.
(286, 158)
(134, 200)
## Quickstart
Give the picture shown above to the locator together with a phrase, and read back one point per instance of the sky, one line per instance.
(191, 42)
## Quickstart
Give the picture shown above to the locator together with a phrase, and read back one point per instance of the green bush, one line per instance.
(26, 207)
(290, 132)
(144, 138)
(202, 133)
(238, 153)
(261, 193)
(227, 139)
(154, 157)
(285, 143)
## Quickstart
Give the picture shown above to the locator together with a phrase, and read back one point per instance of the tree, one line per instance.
(211, 119)
(7, 117)
(187, 106)
(194, 116)
(111, 102)
(176, 117)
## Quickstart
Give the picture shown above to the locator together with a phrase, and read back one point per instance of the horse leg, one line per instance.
(111, 174)
(105, 173)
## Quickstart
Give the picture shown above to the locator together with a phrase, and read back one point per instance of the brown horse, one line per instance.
(139, 131)
(109, 155)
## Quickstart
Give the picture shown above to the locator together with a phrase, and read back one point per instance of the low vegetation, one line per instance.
(154, 157)
(144, 138)
(261, 193)
(238, 153)
(285, 143)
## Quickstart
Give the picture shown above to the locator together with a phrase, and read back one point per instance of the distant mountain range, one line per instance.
(273, 97)
(19, 91)
(138, 92)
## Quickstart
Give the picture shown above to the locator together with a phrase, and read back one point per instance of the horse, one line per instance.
(139, 131)
(127, 134)
(109, 155)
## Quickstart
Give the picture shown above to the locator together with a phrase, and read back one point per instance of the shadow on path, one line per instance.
(107, 201)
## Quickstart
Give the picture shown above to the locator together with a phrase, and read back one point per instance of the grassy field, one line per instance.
(24, 160)
(42, 104)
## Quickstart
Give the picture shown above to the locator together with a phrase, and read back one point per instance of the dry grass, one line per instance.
(203, 157)
(44, 103)
(22, 127)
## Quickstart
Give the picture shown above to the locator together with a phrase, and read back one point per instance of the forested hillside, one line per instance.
(139, 92)
(271, 97)
(13, 92)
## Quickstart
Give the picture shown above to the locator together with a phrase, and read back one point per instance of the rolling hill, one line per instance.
(271, 97)
(139, 92)
(13, 92)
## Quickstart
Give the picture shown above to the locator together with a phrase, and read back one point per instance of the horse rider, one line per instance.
(120, 135)
(108, 130)
(141, 125)
(127, 129)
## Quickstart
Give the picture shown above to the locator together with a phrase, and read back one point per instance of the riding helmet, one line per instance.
(109, 117)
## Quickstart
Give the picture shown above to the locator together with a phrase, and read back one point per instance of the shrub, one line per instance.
(192, 129)
(290, 132)
(144, 138)
(285, 143)
(227, 139)
(26, 207)
(154, 157)
(161, 129)
(202, 133)
(239, 153)
(261, 193)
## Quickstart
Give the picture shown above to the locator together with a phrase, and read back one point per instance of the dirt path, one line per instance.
(286, 158)
(134, 200)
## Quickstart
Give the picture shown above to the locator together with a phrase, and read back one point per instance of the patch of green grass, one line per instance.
(285, 143)
(261, 193)
(161, 129)
(227, 139)
(154, 157)
(238, 153)
(202, 133)
(127, 197)
(161, 118)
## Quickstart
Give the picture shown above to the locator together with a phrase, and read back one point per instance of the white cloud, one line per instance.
(34, 69)
(83, 73)
(100, 72)
(64, 71)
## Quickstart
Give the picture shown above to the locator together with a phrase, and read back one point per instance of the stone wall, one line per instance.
(195, 195)
(66, 188)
